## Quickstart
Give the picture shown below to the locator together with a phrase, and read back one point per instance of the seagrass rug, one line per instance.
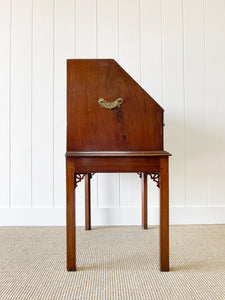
(112, 263)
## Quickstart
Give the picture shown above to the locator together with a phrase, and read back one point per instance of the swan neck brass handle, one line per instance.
(110, 105)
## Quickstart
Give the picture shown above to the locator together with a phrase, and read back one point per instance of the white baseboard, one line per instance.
(110, 216)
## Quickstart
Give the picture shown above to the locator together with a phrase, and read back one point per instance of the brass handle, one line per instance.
(110, 105)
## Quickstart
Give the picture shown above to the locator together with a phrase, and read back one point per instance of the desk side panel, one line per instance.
(135, 126)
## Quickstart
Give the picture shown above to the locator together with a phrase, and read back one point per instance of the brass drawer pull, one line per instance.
(110, 105)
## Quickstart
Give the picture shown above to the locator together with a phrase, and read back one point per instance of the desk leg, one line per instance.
(164, 214)
(144, 200)
(87, 202)
(70, 216)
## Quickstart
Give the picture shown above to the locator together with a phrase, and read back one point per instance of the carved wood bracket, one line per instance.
(78, 177)
(153, 176)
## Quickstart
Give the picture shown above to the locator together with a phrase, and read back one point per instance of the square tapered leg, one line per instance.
(70, 216)
(88, 201)
(164, 214)
(144, 191)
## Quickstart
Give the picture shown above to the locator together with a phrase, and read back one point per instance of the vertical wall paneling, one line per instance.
(107, 25)
(80, 194)
(215, 93)
(64, 48)
(42, 104)
(129, 37)
(129, 58)
(130, 190)
(175, 49)
(173, 96)
(194, 68)
(86, 21)
(94, 189)
(5, 74)
(108, 190)
(153, 194)
(151, 54)
(21, 41)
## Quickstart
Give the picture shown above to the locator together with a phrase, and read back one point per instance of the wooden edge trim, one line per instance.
(117, 154)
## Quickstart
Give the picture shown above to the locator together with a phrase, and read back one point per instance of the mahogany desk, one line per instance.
(113, 125)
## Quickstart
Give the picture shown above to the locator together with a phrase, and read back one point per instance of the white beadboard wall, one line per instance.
(175, 49)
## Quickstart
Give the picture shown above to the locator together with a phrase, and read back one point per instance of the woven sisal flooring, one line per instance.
(113, 263)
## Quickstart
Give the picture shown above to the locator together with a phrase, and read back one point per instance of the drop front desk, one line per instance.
(113, 125)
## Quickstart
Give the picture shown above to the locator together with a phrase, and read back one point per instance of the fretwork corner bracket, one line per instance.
(153, 176)
(79, 177)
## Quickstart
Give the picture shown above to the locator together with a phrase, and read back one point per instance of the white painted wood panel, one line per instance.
(108, 190)
(195, 102)
(64, 48)
(215, 94)
(175, 49)
(130, 190)
(129, 37)
(86, 28)
(94, 191)
(42, 104)
(107, 26)
(173, 97)
(153, 195)
(151, 48)
(21, 96)
(5, 102)
(129, 58)
(80, 193)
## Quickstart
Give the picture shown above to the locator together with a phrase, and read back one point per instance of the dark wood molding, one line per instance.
(116, 153)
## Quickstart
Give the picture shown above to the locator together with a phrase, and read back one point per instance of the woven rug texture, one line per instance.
(112, 263)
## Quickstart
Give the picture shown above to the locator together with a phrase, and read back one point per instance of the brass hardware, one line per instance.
(110, 105)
